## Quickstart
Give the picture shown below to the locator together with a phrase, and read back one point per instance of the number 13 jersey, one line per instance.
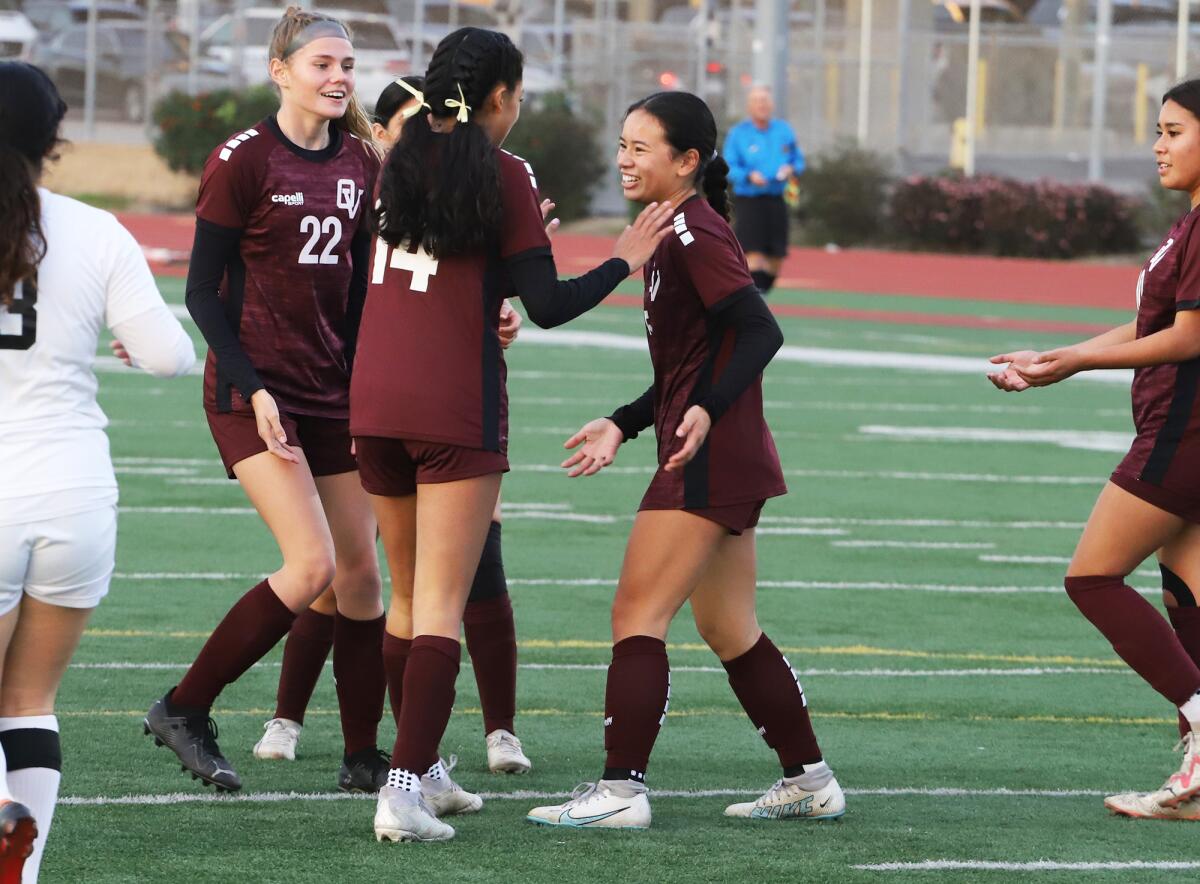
(286, 293)
(429, 364)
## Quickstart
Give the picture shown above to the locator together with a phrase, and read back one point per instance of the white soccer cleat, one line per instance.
(505, 754)
(608, 804)
(403, 816)
(1149, 806)
(814, 795)
(280, 740)
(443, 795)
(1184, 783)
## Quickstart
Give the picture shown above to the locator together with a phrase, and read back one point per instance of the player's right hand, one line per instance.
(120, 352)
(270, 430)
(758, 178)
(637, 242)
(547, 207)
(1009, 378)
(600, 438)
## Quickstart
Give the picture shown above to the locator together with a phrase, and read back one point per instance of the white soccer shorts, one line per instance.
(67, 561)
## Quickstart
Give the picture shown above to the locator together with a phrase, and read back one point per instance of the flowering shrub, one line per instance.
(191, 126)
(843, 195)
(1000, 216)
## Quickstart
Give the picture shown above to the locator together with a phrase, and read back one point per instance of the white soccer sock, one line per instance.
(404, 780)
(5, 795)
(1191, 711)
(35, 786)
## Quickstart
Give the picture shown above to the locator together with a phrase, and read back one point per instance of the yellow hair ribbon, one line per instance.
(415, 93)
(461, 104)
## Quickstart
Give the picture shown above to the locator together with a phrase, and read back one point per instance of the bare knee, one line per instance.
(634, 614)
(310, 574)
(728, 640)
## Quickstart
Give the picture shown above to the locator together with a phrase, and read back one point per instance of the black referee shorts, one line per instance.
(761, 224)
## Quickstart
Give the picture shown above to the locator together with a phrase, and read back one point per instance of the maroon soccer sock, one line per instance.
(428, 699)
(251, 628)
(360, 679)
(1186, 622)
(304, 653)
(492, 644)
(635, 705)
(770, 693)
(1138, 633)
(395, 660)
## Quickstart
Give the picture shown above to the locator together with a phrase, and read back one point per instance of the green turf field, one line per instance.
(969, 711)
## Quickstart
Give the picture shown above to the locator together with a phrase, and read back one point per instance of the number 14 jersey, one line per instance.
(286, 294)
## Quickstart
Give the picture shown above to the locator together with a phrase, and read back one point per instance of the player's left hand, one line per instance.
(551, 225)
(121, 353)
(510, 324)
(1009, 378)
(693, 429)
(784, 173)
(601, 438)
(1053, 366)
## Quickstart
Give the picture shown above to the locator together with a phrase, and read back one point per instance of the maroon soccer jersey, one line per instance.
(1165, 413)
(429, 364)
(287, 293)
(692, 274)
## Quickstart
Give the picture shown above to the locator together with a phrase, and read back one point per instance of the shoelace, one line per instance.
(209, 738)
(582, 793)
(378, 759)
(773, 792)
(449, 764)
(509, 740)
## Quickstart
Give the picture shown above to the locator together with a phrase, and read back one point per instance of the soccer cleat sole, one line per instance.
(796, 819)
(1116, 810)
(514, 770)
(15, 848)
(538, 821)
(400, 836)
(183, 767)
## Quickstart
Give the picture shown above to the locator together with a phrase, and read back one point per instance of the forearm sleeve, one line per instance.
(551, 301)
(757, 338)
(213, 249)
(636, 416)
(360, 254)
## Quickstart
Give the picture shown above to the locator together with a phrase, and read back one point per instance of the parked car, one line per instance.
(122, 65)
(51, 16)
(17, 33)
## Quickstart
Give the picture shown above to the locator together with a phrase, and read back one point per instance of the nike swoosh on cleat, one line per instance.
(826, 801)
(587, 820)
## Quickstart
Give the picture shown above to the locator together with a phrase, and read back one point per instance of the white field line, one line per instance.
(1041, 865)
(1048, 560)
(1086, 440)
(917, 523)
(1026, 672)
(531, 795)
(892, 361)
(908, 544)
(768, 531)
(873, 475)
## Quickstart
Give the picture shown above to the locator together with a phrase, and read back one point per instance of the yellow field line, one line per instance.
(817, 651)
(716, 713)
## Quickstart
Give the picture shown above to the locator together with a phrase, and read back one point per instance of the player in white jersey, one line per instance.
(66, 271)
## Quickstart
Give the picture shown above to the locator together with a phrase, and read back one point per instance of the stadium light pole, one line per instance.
(151, 67)
(1181, 39)
(771, 49)
(418, 47)
(972, 87)
(89, 74)
(193, 48)
(864, 72)
(1099, 90)
(238, 35)
(560, 16)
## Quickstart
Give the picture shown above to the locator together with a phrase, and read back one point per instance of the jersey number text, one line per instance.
(420, 264)
(18, 321)
(315, 226)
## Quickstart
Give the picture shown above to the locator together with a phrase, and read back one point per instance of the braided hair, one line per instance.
(442, 190)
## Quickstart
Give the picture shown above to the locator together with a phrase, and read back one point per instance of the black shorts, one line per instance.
(761, 224)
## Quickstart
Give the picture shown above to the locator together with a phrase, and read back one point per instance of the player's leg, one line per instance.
(18, 825)
(491, 638)
(665, 558)
(723, 606)
(358, 633)
(286, 498)
(305, 651)
(1179, 562)
(1122, 531)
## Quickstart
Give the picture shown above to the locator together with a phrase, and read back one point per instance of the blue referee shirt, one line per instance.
(750, 149)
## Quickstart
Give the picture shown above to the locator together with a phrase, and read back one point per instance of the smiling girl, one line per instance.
(276, 285)
(1151, 504)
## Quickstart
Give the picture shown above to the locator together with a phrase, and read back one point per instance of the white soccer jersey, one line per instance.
(51, 428)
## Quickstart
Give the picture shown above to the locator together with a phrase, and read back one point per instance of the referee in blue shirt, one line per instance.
(762, 154)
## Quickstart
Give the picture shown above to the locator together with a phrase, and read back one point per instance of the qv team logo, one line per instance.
(655, 282)
(348, 196)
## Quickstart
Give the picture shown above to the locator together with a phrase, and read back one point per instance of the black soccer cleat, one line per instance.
(364, 771)
(193, 738)
(17, 833)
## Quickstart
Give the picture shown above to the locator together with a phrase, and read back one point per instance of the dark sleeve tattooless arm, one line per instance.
(631, 419)
(360, 254)
(551, 301)
(213, 249)
(757, 339)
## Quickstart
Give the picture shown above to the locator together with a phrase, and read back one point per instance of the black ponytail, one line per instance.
(689, 125)
(30, 113)
(442, 190)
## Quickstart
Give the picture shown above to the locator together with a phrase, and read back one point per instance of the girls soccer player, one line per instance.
(66, 271)
(1151, 503)
(276, 282)
(460, 228)
(710, 336)
(488, 619)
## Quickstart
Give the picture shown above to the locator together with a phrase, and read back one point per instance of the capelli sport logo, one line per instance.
(288, 199)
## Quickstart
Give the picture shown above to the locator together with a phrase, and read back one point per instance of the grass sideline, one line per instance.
(1021, 758)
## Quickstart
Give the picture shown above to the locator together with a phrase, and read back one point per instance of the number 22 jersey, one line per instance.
(286, 293)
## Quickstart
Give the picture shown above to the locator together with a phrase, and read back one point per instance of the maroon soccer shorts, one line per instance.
(395, 467)
(324, 440)
(736, 518)
(1170, 498)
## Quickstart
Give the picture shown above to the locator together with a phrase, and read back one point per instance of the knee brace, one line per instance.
(1173, 583)
(31, 747)
(489, 580)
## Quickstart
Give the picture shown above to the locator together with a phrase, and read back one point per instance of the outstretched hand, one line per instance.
(1053, 366)
(552, 225)
(637, 242)
(1009, 378)
(600, 439)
